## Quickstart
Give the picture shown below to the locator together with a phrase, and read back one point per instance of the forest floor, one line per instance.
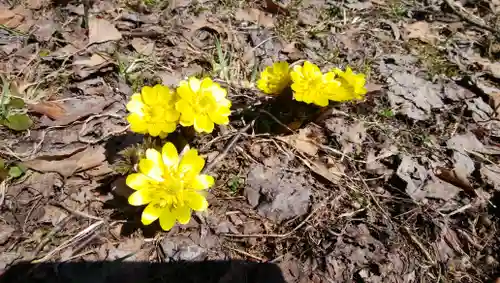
(401, 187)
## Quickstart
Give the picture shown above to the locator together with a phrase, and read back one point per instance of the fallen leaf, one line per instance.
(456, 178)
(101, 30)
(45, 29)
(91, 157)
(142, 46)
(350, 136)
(302, 141)
(409, 94)
(80, 110)
(93, 61)
(423, 31)
(373, 87)
(491, 172)
(9, 18)
(64, 51)
(481, 111)
(414, 175)
(332, 173)
(170, 79)
(51, 109)
(254, 15)
(487, 65)
(292, 51)
(202, 22)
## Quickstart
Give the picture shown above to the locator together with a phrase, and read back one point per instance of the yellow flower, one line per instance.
(170, 188)
(274, 79)
(310, 85)
(153, 111)
(352, 86)
(202, 103)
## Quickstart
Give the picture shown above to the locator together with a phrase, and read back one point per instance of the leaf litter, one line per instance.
(358, 197)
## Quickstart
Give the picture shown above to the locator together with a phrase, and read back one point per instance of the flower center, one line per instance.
(202, 103)
(169, 192)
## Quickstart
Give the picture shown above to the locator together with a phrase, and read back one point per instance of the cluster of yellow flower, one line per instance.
(157, 110)
(310, 85)
(172, 186)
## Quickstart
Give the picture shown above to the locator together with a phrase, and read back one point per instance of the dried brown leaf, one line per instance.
(93, 61)
(302, 141)
(91, 157)
(332, 172)
(423, 31)
(50, 109)
(81, 110)
(9, 18)
(456, 178)
(101, 30)
(142, 46)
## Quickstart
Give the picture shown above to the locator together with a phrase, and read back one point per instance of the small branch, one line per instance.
(228, 147)
(246, 254)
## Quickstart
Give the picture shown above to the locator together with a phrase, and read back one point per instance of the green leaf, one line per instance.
(18, 122)
(16, 103)
(2, 163)
(15, 172)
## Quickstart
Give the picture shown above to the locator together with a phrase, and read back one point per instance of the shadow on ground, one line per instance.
(133, 272)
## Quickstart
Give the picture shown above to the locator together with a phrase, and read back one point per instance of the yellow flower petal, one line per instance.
(137, 124)
(149, 168)
(202, 182)
(169, 155)
(197, 201)
(141, 197)
(219, 119)
(167, 220)
(194, 84)
(187, 113)
(138, 181)
(191, 164)
(183, 214)
(219, 93)
(202, 123)
(166, 128)
(149, 95)
(151, 213)
(154, 130)
(153, 155)
(135, 105)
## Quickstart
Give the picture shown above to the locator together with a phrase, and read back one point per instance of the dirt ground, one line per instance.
(401, 187)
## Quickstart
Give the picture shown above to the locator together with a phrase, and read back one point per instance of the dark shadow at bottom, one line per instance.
(143, 272)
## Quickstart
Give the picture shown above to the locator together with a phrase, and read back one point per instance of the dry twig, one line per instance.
(228, 147)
